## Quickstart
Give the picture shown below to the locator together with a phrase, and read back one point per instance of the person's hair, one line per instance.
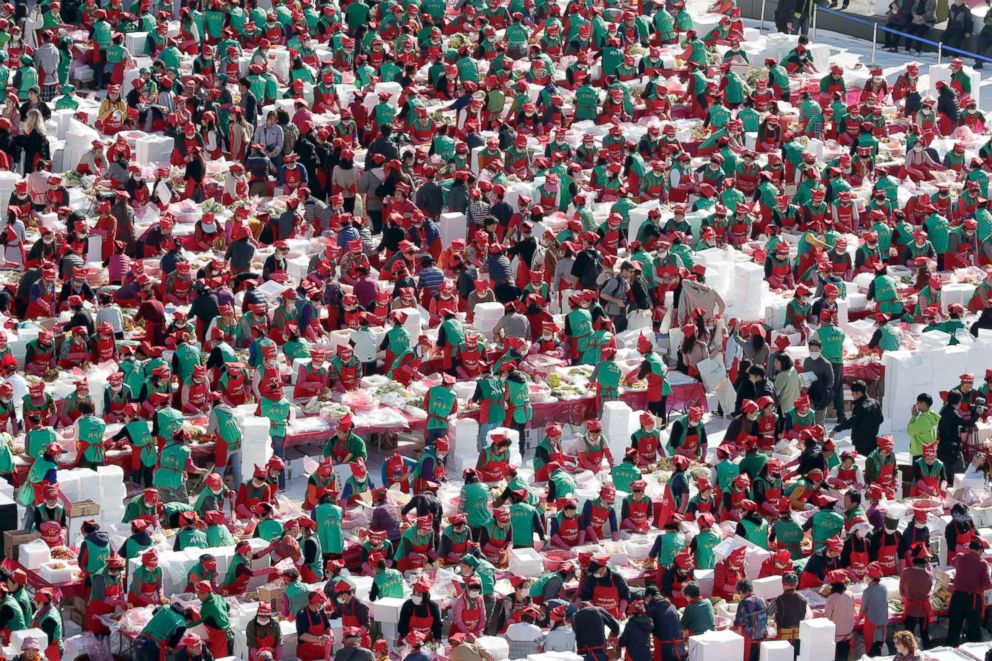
(757, 342)
(953, 397)
(855, 496)
(651, 591)
(34, 122)
(906, 639)
(785, 360)
(291, 574)
(838, 588)
(386, 130)
(744, 585)
(89, 527)
(859, 386)
(691, 590)
(244, 82)
(86, 407)
(790, 578)
(925, 398)
(271, 115)
(756, 370)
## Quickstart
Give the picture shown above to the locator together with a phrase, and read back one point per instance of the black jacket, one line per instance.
(636, 638)
(588, 624)
(866, 417)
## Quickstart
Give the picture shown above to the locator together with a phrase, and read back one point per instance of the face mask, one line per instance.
(417, 599)
(814, 354)
(474, 594)
(601, 573)
(263, 621)
(917, 147)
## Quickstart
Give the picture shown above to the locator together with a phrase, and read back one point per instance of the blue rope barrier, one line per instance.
(906, 35)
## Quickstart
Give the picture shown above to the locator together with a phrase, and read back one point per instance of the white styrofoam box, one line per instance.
(387, 609)
(768, 587)
(554, 656)
(453, 226)
(704, 577)
(777, 650)
(135, 42)
(716, 646)
(34, 554)
(154, 149)
(526, 562)
(496, 647)
(17, 638)
(413, 323)
(816, 638)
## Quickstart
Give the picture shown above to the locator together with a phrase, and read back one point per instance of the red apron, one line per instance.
(408, 563)
(647, 450)
(607, 598)
(859, 559)
(101, 607)
(638, 511)
(261, 642)
(888, 556)
(471, 617)
(568, 530)
(598, 517)
(313, 651)
(424, 625)
(961, 539)
(145, 595)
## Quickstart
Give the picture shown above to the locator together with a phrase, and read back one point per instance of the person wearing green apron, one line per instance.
(440, 404)
(704, 542)
(525, 520)
(328, 516)
(518, 405)
(474, 501)
(89, 434)
(175, 462)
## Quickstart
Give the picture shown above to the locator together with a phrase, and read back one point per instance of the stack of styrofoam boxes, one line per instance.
(718, 269)
(113, 494)
(26, 333)
(78, 140)
(135, 42)
(704, 577)
(619, 423)
(768, 587)
(526, 562)
(745, 291)
(413, 323)
(487, 315)
(34, 554)
(554, 656)
(465, 453)
(131, 73)
(256, 448)
(777, 650)
(942, 72)
(816, 640)
(453, 226)
(154, 150)
(716, 646)
(386, 611)
(278, 58)
(956, 292)
(61, 119)
(7, 182)
(289, 639)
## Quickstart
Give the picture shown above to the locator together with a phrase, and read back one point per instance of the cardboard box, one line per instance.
(272, 594)
(14, 538)
(83, 508)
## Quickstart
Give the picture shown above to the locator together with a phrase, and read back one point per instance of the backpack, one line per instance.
(590, 276)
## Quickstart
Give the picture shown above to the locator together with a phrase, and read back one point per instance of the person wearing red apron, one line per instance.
(313, 627)
(352, 613)
(106, 595)
(676, 494)
(494, 462)
(927, 473)
(348, 368)
(566, 531)
(672, 579)
(821, 563)
(874, 647)
(146, 583)
(778, 564)
(46, 612)
(638, 510)
(196, 393)
(847, 474)
(312, 378)
(605, 588)
(857, 554)
(599, 514)
(420, 615)
(959, 531)
(416, 547)
(498, 538)
(396, 471)
(646, 440)
(885, 547)
(728, 572)
(265, 634)
(468, 613)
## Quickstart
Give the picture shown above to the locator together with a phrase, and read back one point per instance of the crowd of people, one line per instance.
(587, 155)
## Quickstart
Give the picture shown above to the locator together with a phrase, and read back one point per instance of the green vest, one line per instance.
(35, 475)
(170, 421)
(491, 388)
(886, 295)
(518, 397)
(564, 484)
(16, 622)
(726, 473)
(608, 377)
(522, 522)
(91, 429)
(219, 535)
(187, 358)
(826, 524)
(705, 542)
(580, 323)
(164, 623)
(229, 429)
(141, 437)
(415, 539)
(756, 534)
(38, 439)
(328, 517)
(889, 339)
(475, 504)
(278, 413)
(790, 535)
(623, 474)
(297, 594)
(441, 403)
(53, 618)
(832, 339)
(171, 471)
(390, 583)
(671, 544)
(96, 557)
(192, 538)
